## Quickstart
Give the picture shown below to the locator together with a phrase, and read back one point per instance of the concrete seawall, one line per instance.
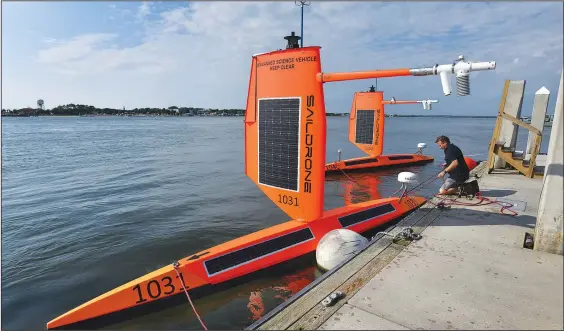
(468, 271)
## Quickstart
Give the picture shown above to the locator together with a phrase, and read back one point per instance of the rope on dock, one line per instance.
(449, 202)
(406, 234)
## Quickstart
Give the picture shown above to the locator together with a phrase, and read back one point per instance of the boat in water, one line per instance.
(285, 140)
(366, 131)
(548, 119)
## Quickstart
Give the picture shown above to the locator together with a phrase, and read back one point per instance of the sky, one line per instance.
(198, 54)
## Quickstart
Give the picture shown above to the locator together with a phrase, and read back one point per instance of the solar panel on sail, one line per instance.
(278, 132)
(364, 126)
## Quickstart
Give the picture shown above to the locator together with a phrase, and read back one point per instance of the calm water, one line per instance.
(91, 203)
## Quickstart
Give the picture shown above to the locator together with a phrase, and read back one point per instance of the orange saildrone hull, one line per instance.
(238, 257)
(377, 162)
(285, 142)
(366, 132)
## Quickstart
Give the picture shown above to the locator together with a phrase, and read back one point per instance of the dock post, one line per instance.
(509, 130)
(537, 118)
(549, 229)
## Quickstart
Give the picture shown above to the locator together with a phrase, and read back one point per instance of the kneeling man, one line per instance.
(455, 166)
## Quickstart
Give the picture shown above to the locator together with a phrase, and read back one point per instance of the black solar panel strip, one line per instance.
(363, 161)
(247, 254)
(400, 157)
(366, 215)
(364, 126)
(279, 125)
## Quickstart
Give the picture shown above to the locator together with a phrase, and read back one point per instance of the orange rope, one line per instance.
(504, 205)
(176, 264)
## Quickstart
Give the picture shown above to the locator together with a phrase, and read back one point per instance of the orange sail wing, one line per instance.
(366, 122)
(285, 128)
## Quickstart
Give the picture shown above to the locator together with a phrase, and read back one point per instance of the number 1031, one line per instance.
(288, 200)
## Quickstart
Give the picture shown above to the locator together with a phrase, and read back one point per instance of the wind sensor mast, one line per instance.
(427, 104)
(460, 68)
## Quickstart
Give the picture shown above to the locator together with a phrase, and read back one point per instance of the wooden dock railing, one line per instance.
(526, 167)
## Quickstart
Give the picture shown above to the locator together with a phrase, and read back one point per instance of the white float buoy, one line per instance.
(338, 245)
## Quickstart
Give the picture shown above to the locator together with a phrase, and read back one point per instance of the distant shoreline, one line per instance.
(230, 115)
(74, 110)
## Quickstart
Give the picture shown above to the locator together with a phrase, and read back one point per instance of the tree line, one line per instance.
(72, 109)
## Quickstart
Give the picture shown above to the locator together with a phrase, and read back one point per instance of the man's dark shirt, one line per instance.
(461, 172)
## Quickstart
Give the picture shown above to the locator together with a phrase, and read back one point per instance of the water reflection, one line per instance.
(357, 187)
(291, 284)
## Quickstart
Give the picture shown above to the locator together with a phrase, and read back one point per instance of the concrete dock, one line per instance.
(469, 270)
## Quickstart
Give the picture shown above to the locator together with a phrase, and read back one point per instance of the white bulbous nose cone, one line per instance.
(338, 245)
(407, 177)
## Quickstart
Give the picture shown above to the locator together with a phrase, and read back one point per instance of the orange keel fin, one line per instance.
(366, 122)
(285, 129)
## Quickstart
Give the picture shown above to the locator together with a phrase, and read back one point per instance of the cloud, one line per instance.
(144, 10)
(49, 40)
(93, 55)
(74, 49)
(199, 54)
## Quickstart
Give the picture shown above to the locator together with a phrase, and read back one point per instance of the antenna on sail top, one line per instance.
(302, 4)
